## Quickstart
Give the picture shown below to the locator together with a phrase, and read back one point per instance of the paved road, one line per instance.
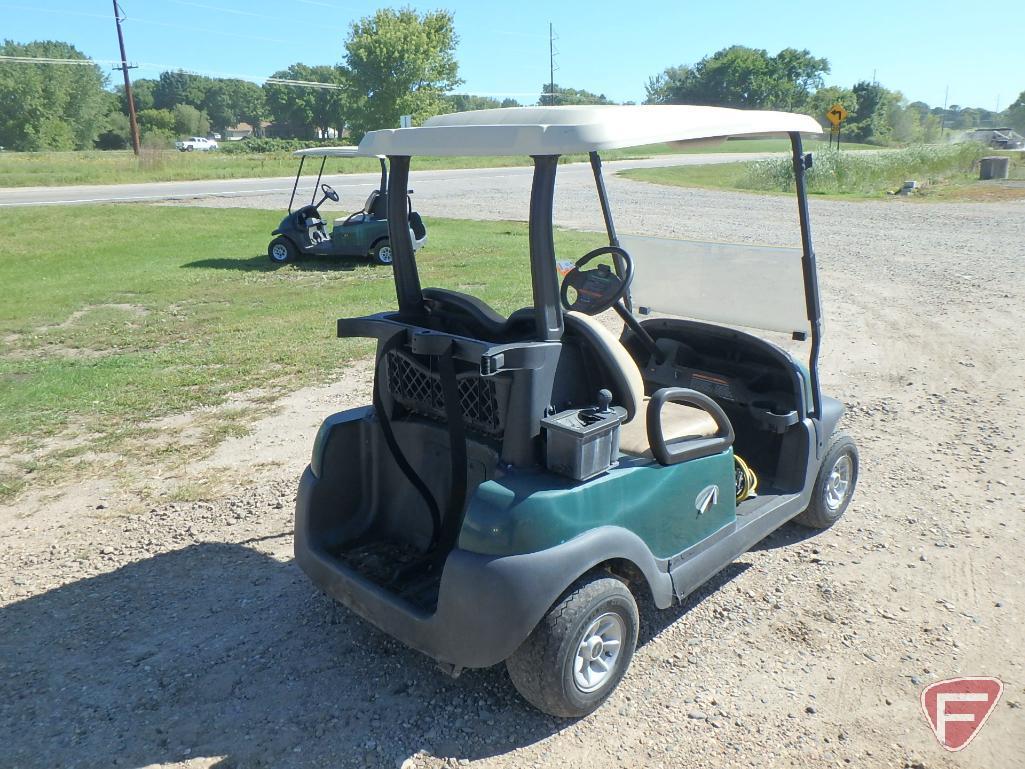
(274, 192)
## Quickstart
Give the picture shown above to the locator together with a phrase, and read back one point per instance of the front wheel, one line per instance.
(381, 253)
(579, 652)
(834, 484)
(281, 250)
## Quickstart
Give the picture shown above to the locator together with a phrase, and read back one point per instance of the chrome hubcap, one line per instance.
(839, 482)
(598, 652)
(385, 254)
(279, 252)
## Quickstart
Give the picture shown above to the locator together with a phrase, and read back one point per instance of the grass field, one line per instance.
(48, 169)
(945, 172)
(105, 330)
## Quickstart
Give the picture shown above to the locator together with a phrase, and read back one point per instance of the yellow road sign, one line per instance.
(836, 114)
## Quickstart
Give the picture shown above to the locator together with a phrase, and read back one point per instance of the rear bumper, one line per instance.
(487, 605)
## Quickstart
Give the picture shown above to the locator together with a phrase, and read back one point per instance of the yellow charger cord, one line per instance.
(747, 481)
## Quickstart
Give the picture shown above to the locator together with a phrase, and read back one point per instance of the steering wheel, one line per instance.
(329, 192)
(598, 289)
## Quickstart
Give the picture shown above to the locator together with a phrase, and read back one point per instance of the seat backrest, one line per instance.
(627, 385)
(368, 207)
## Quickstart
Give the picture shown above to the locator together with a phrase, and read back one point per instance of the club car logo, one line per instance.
(958, 707)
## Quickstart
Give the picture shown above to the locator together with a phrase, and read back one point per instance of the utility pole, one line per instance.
(943, 120)
(551, 65)
(128, 81)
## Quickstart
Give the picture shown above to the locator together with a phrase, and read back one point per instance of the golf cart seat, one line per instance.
(679, 420)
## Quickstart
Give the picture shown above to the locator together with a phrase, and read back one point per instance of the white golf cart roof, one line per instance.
(563, 130)
(328, 152)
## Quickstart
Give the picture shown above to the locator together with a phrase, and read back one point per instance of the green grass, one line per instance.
(841, 174)
(51, 169)
(107, 328)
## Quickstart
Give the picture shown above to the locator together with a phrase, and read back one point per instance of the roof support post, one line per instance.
(606, 214)
(407, 279)
(543, 275)
(802, 163)
(291, 200)
(603, 199)
(320, 175)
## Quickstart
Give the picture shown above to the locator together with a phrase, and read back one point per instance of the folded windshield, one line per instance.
(759, 287)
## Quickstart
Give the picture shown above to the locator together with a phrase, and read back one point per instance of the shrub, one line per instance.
(836, 172)
(260, 146)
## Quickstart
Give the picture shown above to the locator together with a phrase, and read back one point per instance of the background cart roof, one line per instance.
(563, 130)
(329, 152)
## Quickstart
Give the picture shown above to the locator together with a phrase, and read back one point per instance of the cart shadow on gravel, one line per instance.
(261, 263)
(219, 650)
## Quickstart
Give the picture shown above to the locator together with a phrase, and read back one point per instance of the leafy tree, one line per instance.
(180, 87)
(1015, 114)
(142, 92)
(190, 121)
(818, 103)
(463, 102)
(400, 63)
(565, 96)
(305, 111)
(50, 106)
(116, 134)
(870, 121)
(795, 74)
(509, 102)
(156, 120)
(229, 101)
(739, 76)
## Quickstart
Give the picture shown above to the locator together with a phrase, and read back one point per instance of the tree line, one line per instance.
(793, 81)
(400, 62)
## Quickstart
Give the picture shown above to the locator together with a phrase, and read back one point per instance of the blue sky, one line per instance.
(918, 47)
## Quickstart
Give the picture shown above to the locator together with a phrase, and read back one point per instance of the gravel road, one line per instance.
(140, 632)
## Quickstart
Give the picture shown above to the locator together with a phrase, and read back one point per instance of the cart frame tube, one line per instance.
(320, 173)
(407, 279)
(543, 275)
(291, 200)
(811, 280)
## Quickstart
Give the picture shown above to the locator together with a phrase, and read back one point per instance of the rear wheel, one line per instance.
(381, 253)
(834, 485)
(281, 250)
(580, 651)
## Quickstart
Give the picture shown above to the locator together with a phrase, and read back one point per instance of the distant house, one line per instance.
(245, 131)
(273, 130)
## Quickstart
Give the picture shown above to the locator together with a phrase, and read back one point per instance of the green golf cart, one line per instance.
(361, 233)
(517, 481)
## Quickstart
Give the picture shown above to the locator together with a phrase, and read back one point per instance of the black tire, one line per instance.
(381, 253)
(281, 250)
(189, 148)
(827, 504)
(544, 668)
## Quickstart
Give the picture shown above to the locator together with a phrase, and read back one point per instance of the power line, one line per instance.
(170, 67)
(49, 60)
(237, 12)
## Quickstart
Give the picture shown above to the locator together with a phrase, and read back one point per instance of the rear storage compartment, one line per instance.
(364, 512)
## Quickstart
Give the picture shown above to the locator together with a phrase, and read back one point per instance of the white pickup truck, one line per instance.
(200, 143)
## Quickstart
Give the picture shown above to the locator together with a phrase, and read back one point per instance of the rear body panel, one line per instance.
(525, 512)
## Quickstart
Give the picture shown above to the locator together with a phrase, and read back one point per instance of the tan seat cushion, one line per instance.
(678, 421)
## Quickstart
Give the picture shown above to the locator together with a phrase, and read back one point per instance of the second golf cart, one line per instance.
(362, 233)
(518, 479)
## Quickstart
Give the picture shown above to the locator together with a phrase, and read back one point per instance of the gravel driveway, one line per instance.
(183, 635)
